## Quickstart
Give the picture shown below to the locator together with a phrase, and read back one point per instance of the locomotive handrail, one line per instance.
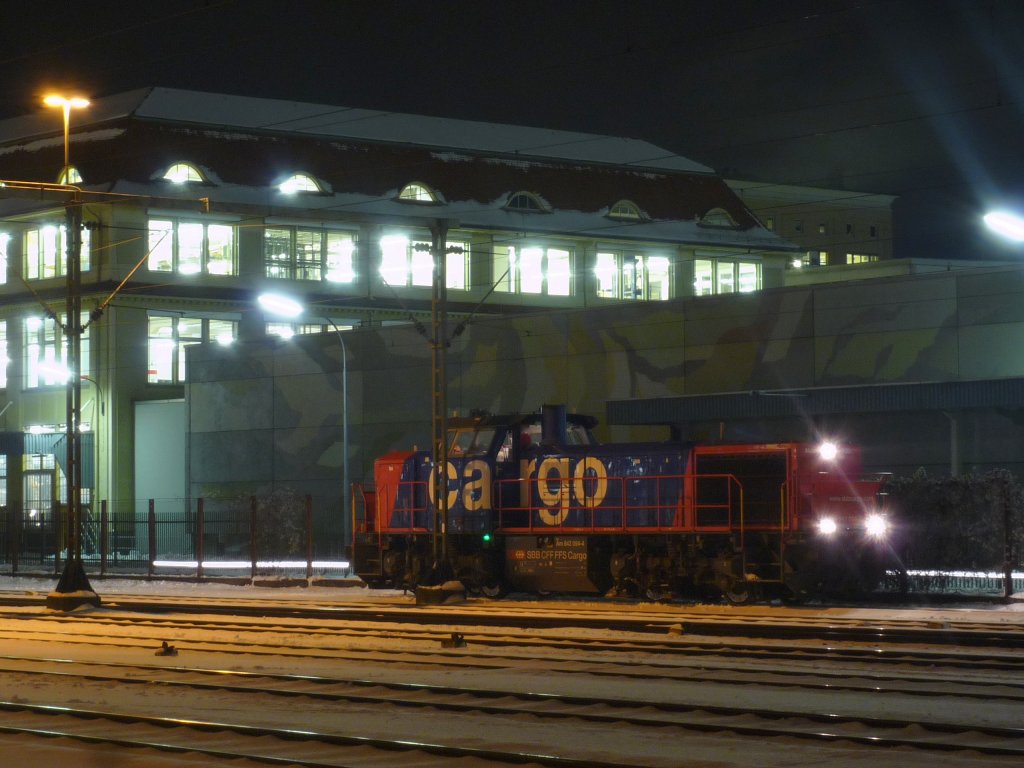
(671, 504)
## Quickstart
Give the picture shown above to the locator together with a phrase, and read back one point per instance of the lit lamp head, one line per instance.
(1009, 225)
(282, 306)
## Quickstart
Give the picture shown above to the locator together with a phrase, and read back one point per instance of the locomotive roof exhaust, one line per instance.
(553, 430)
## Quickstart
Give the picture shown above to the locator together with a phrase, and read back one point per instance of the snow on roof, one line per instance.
(251, 113)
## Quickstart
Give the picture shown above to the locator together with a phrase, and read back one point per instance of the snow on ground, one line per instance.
(650, 749)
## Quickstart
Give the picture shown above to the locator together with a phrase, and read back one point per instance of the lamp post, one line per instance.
(66, 104)
(73, 588)
(1010, 226)
(285, 307)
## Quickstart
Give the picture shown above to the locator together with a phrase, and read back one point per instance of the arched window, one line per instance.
(69, 175)
(418, 193)
(527, 202)
(718, 217)
(183, 173)
(300, 182)
(626, 210)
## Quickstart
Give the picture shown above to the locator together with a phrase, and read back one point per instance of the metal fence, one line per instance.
(246, 536)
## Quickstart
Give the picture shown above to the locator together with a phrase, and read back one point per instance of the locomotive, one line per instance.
(534, 503)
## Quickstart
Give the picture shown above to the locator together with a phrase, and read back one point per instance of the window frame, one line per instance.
(50, 345)
(158, 250)
(417, 192)
(615, 272)
(416, 264)
(521, 278)
(720, 281)
(173, 361)
(183, 172)
(292, 267)
(36, 259)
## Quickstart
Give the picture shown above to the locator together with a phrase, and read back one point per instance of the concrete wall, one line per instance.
(268, 412)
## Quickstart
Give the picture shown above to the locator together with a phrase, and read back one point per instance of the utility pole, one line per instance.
(439, 395)
(73, 588)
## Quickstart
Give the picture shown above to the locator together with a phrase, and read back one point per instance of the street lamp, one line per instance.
(1005, 223)
(283, 306)
(66, 103)
(73, 588)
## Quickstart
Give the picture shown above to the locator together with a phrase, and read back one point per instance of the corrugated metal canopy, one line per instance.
(880, 398)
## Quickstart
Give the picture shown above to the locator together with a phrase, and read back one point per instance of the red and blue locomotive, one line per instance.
(535, 503)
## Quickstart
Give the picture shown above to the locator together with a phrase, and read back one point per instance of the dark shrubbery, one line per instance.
(958, 522)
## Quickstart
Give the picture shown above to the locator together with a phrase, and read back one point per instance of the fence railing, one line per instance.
(243, 537)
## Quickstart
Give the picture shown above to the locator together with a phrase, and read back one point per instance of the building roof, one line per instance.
(294, 117)
(362, 159)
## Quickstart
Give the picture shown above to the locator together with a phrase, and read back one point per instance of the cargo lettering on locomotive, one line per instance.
(589, 485)
(534, 502)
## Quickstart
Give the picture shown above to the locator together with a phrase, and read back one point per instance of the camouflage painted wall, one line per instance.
(264, 413)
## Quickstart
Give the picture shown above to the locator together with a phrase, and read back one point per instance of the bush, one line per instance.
(958, 522)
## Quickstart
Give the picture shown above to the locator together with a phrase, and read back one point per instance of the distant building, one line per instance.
(832, 227)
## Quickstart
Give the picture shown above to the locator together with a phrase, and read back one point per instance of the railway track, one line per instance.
(223, 739)
(254, 682)
(648, 620)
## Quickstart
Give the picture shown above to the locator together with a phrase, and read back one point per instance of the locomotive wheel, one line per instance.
(492, 590)
(740, 592)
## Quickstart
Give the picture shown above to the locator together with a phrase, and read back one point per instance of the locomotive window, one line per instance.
(470, 442)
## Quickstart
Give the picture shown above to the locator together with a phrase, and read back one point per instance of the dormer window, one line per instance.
(527, 202)
(718, 217)
(184, 173)
(626, 210)
(300, 182)
(69, 175)
(418, 193)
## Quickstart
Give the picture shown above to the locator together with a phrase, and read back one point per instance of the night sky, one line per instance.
(918, 98)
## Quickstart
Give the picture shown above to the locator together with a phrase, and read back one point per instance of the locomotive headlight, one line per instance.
(828, 451)
(876, 526)
(827, 526)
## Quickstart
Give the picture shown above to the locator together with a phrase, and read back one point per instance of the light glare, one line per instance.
(827, 526)
(1007, 224)
(876, 526)
(279, 305)
(828, 451)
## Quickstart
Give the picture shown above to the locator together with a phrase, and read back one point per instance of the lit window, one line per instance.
(769, 223)
(290, 330)
(417, 193)
(622, 275)
(46, 252)
(294, 253)
(182, 173)
(5, 361)
(860, 258)
(527, 202)
(815, 259)
(191, 247)
(169, 335)
(69, 175)
(626, 210)
(711, 276)
(5, 239)
(299, 182)
(407, 261)
(46, 352)
(718, 217)
(534, 269)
